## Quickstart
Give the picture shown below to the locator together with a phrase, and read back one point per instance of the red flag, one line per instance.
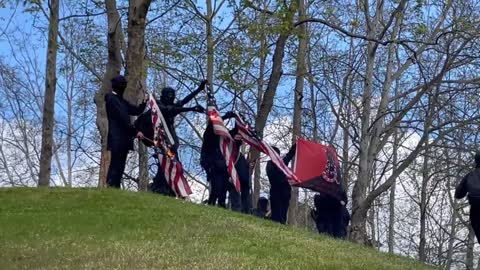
(317, 168)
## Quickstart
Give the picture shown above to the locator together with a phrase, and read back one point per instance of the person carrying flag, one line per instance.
(120, 130)
(280, 189)
(169, 109)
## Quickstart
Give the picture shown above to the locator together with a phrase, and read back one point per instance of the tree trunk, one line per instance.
(254, 154)
(470, 246)
(274, 79)
(114, 65)
(423, 197)
(48, 118)
(298, 98)
(210, 41)
(391, 223)
(136, 71)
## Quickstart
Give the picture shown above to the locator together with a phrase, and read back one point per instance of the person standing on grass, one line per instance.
(470, 185)
(280, 189)
(121, 132)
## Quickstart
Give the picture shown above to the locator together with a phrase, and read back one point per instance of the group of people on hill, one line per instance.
(330, 214)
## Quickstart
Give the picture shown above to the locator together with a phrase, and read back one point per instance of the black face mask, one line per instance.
(120, 91)
(168, 96)
(119, 84)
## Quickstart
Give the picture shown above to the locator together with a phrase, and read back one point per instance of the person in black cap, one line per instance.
(121, 132)
(470, 185)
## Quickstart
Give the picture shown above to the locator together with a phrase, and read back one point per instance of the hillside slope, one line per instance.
(111, 229)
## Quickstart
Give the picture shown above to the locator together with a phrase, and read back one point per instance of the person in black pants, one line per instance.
(212, 161)
(470, 185)
(280, 190)
(331, 215)
(121, 132)
(170, 109)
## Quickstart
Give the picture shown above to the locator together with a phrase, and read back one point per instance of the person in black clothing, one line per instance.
(331, 215)
(213, 163)
(170, 109)
(280, 190)
(262, 208)
(121, 132)
(470, 185)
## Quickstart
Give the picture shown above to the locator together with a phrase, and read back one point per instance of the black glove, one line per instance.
(228, 115)
(202, 85)
(199, 109)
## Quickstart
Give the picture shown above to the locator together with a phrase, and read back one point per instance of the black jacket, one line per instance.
(278, 180)
(470, 184)
(120, 130)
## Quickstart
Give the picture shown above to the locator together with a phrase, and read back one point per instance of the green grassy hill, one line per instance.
(111, 229)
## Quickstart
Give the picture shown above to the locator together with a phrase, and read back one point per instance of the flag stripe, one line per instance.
(226, 143)
(170, 166)
(248, 135)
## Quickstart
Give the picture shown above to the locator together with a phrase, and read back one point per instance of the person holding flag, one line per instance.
(280, 189)
(120, 130)
(169, 110)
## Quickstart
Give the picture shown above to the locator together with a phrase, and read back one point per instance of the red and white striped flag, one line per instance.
(227, 145)
(173, 172)
(170, 165)
(250, 137)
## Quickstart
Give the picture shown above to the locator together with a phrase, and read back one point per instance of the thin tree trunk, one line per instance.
(274, 79)
(210, 41)
(136, 71)
(470, 246)
(391, 223)
(298, 99)
(48, 118)
(114, 65)
(254, 154)
(423, 200)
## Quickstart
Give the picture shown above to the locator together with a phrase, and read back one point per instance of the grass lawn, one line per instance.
(112, 229)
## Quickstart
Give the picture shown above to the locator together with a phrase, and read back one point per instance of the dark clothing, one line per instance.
(120, 130)
(259, 213)
(212, 161)
(280, 189)
(470, 185)
(170, 111)
(330, 216)
(120, 135)
(117, 166)
(344, 221)
(475, 219)
(160, 184)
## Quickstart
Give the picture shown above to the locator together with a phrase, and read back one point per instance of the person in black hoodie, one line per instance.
(280, 189)
(213, 163)
(331, 215)
(121, 132)
(470, 185)
(170, 109)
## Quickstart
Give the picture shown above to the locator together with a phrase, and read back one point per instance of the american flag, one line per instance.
(227, 145)
(249, 136)
(170, 165)
(173, 172)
